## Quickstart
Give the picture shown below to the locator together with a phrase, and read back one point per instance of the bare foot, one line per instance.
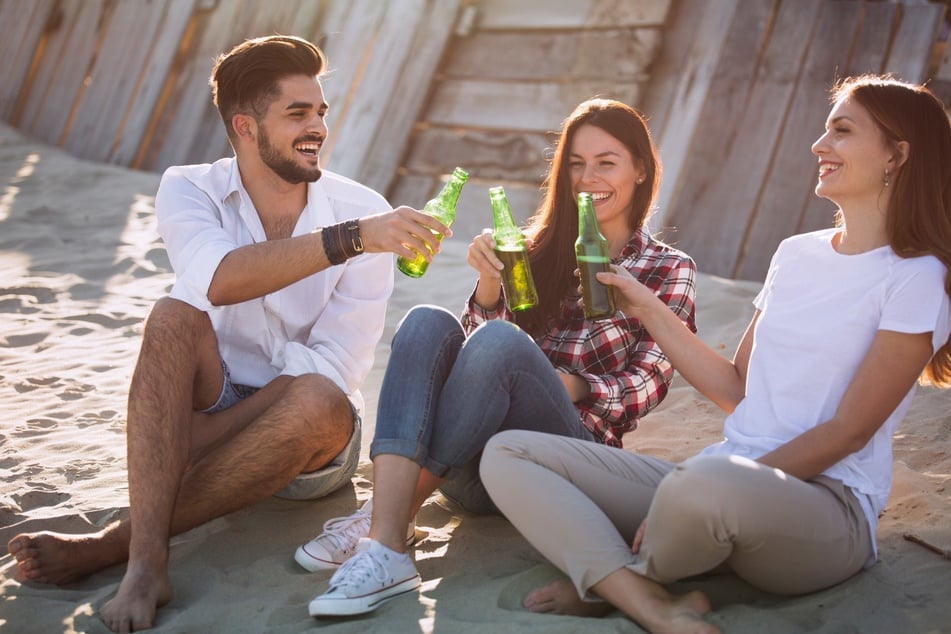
(655, 609)
(685, 614)
(560, 597)
(58, 558)
(142, 591)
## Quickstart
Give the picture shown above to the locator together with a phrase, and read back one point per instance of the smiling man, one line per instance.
(247, 382)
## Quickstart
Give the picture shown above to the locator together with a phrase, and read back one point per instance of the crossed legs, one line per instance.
(180, 478)
(580, 504)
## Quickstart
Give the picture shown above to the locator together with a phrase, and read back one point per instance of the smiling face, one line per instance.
(600, 164)
(292, 131)
(853, 156)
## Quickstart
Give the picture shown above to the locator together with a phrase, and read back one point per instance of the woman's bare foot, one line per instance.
(59, 558)
(142, 591)
(652, 607)
(560, 597)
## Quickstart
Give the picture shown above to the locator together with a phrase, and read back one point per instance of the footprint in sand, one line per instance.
(40, 294)
(106, 321)
(29, 339)
(75, 392)
(37, 498)
(81, 470)
(91, 419)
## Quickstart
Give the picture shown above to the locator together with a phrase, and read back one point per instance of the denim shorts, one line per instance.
(306, 486)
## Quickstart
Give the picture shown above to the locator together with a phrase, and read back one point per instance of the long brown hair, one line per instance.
(918, 217)
(554, 226)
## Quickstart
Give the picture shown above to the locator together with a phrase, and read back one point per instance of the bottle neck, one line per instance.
(450, 192)
(588, 223)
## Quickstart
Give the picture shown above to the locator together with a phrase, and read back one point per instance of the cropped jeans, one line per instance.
(444, 395)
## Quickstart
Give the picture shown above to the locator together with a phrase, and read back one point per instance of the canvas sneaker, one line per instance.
(373, 575)
(338, 541)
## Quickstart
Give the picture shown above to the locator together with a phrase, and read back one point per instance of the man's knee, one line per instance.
(174, 318)
(323, 409)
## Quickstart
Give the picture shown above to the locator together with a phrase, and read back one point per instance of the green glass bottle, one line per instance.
(591, 250)
(517, 281)
(443, 208)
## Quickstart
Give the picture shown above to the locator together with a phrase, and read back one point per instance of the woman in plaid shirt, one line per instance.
(450, 386)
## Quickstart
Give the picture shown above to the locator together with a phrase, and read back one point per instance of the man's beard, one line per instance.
(284, 166)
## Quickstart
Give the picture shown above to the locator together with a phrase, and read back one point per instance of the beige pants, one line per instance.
(580, 504)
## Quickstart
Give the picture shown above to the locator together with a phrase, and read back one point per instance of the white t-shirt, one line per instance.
(327, 323)
(820, 311)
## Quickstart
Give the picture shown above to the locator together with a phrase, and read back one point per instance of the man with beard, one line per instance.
(246, 385)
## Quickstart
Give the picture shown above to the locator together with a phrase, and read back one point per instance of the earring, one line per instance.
(640, 180)
(887, 181)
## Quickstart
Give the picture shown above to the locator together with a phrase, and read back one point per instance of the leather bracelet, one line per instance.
(333, 247)
(353, 243)
(342, 241)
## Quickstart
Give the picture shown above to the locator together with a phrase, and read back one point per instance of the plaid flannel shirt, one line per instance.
(626, 370)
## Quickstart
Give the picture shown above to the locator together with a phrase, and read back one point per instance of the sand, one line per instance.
(81, 265)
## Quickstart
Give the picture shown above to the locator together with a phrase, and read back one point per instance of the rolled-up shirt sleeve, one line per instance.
(474, 315)
(190, 224)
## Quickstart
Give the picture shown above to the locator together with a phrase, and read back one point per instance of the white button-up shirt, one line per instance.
(328, 323)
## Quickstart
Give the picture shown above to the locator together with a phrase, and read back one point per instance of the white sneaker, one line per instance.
(338, 541)
(374, 575)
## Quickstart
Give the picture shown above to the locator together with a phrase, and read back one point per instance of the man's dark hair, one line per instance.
(245, 79)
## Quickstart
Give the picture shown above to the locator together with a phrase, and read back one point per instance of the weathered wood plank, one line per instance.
(58, 82)
(698, 210)
(570, 14)
(788, 190)
(349, 42)
(407, 96)
(114, 79)
(532, 107)
(162, 52)
(552, 55)
(24, 23)
(493, 155)
(679, 84)
(190, 131)
(757, 128)
(879, 21)
(914, 41)
(819, 213)
(387, 50)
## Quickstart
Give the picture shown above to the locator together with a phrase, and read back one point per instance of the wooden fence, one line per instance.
(741, 94)
(735, 90)
(126, 81)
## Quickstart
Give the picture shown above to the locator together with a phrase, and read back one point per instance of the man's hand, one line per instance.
(403, 231)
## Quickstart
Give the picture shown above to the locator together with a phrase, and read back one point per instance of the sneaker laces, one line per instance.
(342, 532)
(353, 572)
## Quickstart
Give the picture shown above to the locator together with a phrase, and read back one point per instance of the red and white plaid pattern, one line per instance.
(627, 372)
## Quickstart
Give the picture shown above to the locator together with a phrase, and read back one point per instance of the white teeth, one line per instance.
(599, 196)
(308, 147)
(827, 168)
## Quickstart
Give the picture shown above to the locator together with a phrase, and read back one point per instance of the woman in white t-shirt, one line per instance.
(848, 319)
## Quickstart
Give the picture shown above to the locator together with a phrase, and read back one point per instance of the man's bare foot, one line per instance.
(141, 592)
(58, 558)
(560, 597)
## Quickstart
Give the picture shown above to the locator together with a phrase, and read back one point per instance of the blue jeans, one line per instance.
(443, 396)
